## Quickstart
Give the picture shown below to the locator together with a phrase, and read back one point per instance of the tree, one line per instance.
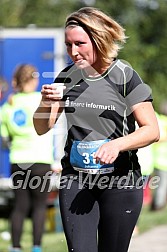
(146, 26)
(145, 22)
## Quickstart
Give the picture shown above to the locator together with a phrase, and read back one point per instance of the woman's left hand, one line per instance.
(107, 153)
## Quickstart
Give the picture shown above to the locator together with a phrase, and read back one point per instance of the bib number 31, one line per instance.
(88, 158)
(82, 157)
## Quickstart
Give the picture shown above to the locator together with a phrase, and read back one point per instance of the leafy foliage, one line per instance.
(145, 22)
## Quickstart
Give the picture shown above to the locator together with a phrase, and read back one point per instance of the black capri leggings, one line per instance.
(31, 191)
(109, 214)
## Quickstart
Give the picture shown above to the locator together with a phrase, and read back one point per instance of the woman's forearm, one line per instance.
(46, 116)
(41, 119)
(140, 138)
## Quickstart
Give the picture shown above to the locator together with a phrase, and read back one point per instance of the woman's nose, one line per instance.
(74, 50)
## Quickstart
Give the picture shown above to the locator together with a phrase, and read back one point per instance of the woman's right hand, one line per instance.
(51, 93)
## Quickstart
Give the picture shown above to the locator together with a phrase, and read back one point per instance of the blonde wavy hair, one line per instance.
(108, 36)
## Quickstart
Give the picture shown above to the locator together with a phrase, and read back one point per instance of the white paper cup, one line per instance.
(59, 88)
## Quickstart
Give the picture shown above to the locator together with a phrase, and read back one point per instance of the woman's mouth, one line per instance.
(78, 61)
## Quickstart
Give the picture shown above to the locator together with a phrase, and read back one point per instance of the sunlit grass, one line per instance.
(51, 241)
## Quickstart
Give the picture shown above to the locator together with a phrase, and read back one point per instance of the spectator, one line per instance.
(159, 197)
(30, 156)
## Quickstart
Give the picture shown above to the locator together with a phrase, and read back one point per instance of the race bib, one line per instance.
(82, 157)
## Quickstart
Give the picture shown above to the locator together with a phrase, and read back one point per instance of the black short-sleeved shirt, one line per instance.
(99, 110)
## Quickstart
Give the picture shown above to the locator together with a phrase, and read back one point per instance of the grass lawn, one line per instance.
(53, 241)
(149, 219)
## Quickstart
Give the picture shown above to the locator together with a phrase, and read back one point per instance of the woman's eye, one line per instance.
(79, 43)
(76, 43)
(68, 44)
